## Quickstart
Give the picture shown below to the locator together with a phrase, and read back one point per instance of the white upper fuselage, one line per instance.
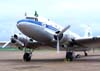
(42, 30)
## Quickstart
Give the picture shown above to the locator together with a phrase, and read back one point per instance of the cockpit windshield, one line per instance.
(34, 18)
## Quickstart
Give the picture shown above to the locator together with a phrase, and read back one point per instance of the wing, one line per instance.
(89, 42)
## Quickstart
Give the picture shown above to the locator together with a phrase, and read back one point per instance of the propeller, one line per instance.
(14, 39)
(8, 42)
(61, 32)
(58, 40)
(5, 44)
(58, 48)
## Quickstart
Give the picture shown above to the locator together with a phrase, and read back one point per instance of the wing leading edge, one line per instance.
(93, 42)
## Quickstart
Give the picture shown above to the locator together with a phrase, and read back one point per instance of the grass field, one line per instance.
(9, 49)
(16, 49)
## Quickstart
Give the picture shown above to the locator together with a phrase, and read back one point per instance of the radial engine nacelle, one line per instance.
(19, 41)
(62, 37)
(22, 42)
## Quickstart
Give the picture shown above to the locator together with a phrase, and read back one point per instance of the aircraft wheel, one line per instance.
(85, 54)
(27, 57)
(69, 56)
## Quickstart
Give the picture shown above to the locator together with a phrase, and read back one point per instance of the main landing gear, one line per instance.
(69, 56)
(85, 53)
(27, 55)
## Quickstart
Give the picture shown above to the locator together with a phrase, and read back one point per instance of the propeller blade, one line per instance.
(5, 44)
(58, 41)
(66, 28)
(58, 48)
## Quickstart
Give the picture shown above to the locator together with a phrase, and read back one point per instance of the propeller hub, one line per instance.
(58, 36)
(15, 36)
(12, 40)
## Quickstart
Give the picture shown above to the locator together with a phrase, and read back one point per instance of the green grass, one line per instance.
(16, 49)
(9, 49)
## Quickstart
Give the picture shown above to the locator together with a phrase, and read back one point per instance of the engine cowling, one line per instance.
(19, 41)
(63, 37)
(13, 38)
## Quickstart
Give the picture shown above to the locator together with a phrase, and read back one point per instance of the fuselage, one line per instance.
(41, 30)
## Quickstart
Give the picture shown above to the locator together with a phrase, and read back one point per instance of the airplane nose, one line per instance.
(23, 25)
(20, 25)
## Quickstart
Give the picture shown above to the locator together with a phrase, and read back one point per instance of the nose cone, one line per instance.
(21, 24)
(25, 25)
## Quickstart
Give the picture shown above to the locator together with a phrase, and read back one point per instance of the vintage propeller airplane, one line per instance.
(48, 33)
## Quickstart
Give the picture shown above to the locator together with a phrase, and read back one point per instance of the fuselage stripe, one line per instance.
(38, 23)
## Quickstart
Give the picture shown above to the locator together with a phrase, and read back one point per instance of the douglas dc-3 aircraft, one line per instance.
(47, 33)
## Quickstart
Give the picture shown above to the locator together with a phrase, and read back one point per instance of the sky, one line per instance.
(77, 13)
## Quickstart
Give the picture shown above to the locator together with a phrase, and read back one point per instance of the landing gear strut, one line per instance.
(28, 54)
(85, 53)
(69, 56)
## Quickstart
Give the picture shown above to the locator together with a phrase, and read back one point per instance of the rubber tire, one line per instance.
(69, 56)
(85, 54)
(27, 57)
